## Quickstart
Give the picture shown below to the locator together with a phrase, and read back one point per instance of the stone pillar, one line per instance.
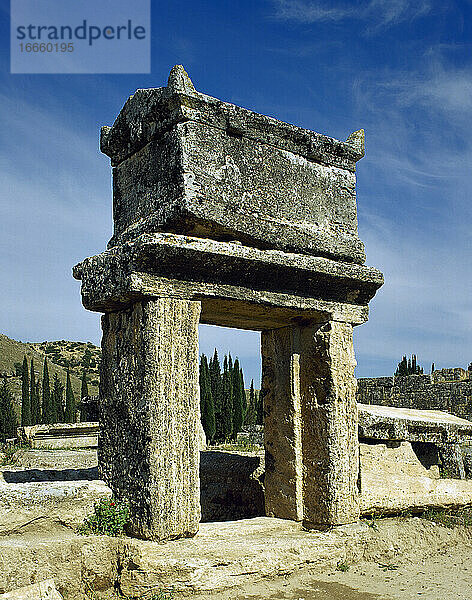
(283, 479)
(312, 450)
(149, 413)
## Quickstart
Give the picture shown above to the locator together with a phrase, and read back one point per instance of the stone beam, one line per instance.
(149, 413)
(239, 286)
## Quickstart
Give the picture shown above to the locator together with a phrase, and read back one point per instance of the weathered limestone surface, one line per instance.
(221, 556)
(149, 412)
(45, 590)
(329, 412)
(229, 173)
(445, 389)
(47, 505)
(308, 389)
(445, 432)
(394, 480)
(74, 562)
(238, 285)
(280, 391)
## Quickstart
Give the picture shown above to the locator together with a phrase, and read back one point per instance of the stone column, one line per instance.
(283, 479)
(149, 412)
(312, 450)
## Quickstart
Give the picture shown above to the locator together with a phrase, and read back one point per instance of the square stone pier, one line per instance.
(227, 217)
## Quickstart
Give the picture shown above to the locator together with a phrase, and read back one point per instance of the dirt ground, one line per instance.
(441, 572)
(441, 577)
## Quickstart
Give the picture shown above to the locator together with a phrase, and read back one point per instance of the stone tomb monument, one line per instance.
(228, 217)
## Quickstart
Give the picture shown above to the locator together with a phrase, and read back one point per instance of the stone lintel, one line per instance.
(236, 284)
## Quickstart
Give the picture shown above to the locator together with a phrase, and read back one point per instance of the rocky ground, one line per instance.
(42, 503)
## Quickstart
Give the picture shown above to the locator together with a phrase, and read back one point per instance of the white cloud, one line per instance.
(378, 13)
(416, 223)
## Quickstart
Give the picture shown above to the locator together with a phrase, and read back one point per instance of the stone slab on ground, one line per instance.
(77, 458)
(63, 556)
(47, 505)
(392, 423)
(45, 590)
(393, 481)
(61, 435)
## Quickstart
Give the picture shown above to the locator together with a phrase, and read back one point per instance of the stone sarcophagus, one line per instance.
(191, 164)
(228, 217)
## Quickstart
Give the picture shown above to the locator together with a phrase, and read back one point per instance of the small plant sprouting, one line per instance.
(372, 522)
(109, 518)
(342, 566)
(162, 595)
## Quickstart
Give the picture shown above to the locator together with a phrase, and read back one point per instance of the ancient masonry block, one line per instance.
(228, 217)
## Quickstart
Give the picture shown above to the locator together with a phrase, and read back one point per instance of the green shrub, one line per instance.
(109, 518)
(8, 455)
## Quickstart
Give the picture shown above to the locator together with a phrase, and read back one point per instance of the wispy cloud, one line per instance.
(414, 213)
(379, 13)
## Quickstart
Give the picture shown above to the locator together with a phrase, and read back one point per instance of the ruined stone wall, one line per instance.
(448, 389)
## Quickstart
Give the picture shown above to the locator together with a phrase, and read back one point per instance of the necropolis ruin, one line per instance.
(228, 217)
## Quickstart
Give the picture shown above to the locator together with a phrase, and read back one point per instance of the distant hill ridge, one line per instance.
(59, 354)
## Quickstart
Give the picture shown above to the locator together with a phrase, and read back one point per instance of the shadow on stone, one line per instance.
(32, 475)
(231, 486)
(427, 453)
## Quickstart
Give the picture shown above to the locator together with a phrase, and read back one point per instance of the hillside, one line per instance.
(57, 353)
(63, 353)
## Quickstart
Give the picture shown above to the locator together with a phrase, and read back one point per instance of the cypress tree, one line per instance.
(238, 401)
(216, 385)
(47, 412)
(206, 400)
(25, 395)
(8, 422)
(57, 399)
(34, 409)
(37, 401)
(226, 402)
(84, 386)
(250, 415)
(259, 408)
(242, 389)
(70, 411)
(409, 367)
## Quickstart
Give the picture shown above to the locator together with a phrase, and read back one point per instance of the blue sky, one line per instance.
(401, 70)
